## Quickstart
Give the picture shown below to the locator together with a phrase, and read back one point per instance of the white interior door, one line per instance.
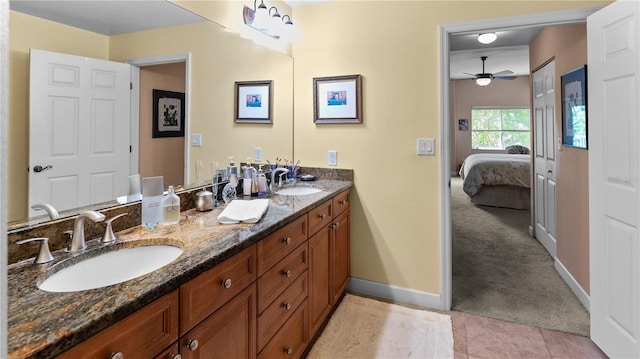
(545, 137)
(79, 130)
(614, 162)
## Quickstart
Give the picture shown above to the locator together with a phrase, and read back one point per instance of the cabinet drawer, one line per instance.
(291, 340)
(320, 217)
(280, 276)
(340, 203)
(143, 334)
(281, 309)
(170, 353)
(207, 292)
(280, 243)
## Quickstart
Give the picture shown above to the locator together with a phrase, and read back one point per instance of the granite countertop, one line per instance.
(43, 324)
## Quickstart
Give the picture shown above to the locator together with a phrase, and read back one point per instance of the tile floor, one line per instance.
(480, 337)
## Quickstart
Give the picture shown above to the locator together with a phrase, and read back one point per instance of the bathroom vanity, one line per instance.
(243, 290)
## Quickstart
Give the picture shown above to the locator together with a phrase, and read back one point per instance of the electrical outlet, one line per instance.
(257, 154)
(333, 158)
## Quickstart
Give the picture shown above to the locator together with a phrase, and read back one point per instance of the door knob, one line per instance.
(39, 168)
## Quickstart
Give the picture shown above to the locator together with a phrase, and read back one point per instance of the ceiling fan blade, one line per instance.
(504, 77)
(466, 73)
(504, 72)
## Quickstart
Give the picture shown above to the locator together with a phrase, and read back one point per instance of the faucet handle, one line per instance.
(109, 236)
(44, 256)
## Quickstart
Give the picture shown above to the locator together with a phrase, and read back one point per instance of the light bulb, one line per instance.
(483, 81)
(487, 38)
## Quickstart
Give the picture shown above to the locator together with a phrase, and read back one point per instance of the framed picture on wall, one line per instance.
(574, 107)
(337, 99)
(168, 114)
(463, 124)
(253, 102)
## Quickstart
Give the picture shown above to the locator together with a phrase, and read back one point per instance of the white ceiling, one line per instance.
(509, 52)
(108, 17)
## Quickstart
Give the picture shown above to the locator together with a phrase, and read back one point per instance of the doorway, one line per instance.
(152, 72)
(548, 19)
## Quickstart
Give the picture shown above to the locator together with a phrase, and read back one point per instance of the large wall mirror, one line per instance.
(212, 58)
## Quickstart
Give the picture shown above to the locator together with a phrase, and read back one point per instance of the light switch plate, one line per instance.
(426, 147)
(333, 158)
(196, 140)
(257, 154)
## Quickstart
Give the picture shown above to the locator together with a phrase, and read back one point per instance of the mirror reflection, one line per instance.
(200, 59)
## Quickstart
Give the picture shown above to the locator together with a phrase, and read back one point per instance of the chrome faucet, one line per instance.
(51, 211)
(273, 176)
(77, 238)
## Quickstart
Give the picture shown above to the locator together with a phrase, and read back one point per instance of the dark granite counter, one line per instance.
(43, 324)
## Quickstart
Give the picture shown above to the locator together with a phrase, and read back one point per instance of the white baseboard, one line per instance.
(583, 297)
(395, 294)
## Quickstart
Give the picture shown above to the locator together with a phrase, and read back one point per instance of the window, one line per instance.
(497, 128)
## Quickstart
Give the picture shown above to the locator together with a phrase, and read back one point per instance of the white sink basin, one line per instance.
(111, 268)
(298, 191)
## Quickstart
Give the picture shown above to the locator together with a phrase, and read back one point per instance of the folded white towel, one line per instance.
(243, 211)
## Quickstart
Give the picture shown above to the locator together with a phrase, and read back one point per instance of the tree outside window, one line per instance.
(497, 128)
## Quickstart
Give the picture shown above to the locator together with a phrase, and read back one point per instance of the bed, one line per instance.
(497, 179)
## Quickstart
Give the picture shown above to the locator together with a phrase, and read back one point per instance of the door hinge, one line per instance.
(130, 149)
(130, 85)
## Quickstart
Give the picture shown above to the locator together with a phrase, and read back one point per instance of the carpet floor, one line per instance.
(367, 328)
(500, 272)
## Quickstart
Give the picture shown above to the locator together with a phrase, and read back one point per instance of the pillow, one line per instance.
(516, 150)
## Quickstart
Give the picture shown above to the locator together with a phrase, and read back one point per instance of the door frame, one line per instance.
(136, 64)
(521, 21)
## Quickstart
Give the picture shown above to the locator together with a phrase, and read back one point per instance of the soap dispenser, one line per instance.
(170, 208)
(262, 182)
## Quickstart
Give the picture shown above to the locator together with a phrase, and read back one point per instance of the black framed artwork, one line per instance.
(574, 107)
(168, 114)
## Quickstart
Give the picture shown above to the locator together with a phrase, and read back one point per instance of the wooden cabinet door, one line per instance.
(143, 334)
(340, 254)
(230, 332)
(320, 295)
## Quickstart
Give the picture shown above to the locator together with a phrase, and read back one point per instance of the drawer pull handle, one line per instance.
(288, 350)
(175, 356)
(322, 216)
(117, 355)
(343, 202)
(193, 345)
(287, 273)
(287, 241)
(336, 225)
(226, 283)
(287, 306)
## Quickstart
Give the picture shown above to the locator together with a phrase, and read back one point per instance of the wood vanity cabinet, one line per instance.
(329, 259)
(266, 301)
(144, 334)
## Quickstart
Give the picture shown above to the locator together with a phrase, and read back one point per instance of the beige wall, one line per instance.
(568, 45)
(466, 95)
(31, 32)
(160, 156)
(394, 45)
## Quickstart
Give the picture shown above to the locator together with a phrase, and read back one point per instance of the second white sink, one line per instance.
(298, 191)
(111, 268)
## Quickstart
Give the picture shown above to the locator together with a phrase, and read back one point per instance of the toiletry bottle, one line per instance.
(247, 180)
(262, 182)
(170, 208)
(254, 182)
(152, 201)
(232, 169)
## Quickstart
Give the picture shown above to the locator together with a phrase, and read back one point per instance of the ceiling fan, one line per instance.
(484, 78)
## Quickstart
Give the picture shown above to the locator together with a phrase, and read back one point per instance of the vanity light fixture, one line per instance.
(487, 38)
(269, 22)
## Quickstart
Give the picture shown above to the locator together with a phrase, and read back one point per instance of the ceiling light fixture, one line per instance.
(269, 22)
(483, 80)
(487, 38)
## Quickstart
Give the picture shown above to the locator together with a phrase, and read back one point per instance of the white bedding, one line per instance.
(489, 169)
